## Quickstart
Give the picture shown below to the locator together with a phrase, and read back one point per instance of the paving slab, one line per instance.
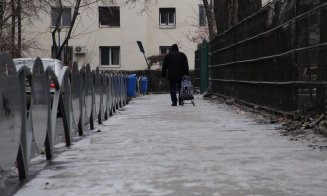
(151, 148)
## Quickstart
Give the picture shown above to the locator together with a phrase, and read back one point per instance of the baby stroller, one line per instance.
(187, 90)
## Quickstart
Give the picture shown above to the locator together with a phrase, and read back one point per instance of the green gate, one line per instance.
(204, 71)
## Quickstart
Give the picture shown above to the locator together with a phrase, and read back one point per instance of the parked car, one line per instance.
(55, 64)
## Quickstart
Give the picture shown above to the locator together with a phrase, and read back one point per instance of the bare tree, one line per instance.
(58, 6)
(221, 15)
(12, 13)
(19, 28)
(210, 18)
(60, 49)
(230, 12)
(13, 27)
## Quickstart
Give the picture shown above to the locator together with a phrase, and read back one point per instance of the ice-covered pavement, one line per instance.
(151, 148)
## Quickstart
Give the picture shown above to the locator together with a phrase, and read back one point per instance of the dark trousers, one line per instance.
(172, 87)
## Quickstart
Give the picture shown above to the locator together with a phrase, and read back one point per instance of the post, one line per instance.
(322, 60)
(139, 43)
(58, 49)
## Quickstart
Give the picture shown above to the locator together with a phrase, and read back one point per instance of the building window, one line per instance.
(164, 49)
(65, 18)
(167, 17)
(202, 16)
(110, 55)
(109, 16)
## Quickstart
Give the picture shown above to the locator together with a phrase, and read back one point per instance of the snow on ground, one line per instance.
(151, 148)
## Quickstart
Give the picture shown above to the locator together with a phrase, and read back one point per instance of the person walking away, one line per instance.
(176, 64)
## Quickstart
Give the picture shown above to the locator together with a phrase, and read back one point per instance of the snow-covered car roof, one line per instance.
(29, 62)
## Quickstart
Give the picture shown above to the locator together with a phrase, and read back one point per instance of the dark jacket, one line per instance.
(176, 64)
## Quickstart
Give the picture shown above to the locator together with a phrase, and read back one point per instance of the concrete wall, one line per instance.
(134, 25)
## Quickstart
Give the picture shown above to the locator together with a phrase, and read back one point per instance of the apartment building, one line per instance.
(105, 34)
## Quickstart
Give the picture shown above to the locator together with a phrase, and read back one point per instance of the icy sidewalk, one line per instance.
(151, 148)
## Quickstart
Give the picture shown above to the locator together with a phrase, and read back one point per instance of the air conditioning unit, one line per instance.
(80, 49)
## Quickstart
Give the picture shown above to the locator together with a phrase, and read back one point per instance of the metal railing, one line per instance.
(276, 58)
(29, 107)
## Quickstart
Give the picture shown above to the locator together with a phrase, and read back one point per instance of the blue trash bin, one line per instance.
(131, 85)
(144, 85)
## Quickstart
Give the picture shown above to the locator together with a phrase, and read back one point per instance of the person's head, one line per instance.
(174, 48)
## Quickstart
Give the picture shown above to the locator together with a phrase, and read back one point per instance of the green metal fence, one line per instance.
(201, 67)
(276, 58)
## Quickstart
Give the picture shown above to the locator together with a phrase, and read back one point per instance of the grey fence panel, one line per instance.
(105, 96)
(77, 92)
(116, 87)
(88, 90)
(24, 152)
(40, 100)
(10, 112)
(57, 103)
(73, 93)
(120, 95)
(126, 87)
(65, 105)
(112, 94)
(97, 94)
(124, 91)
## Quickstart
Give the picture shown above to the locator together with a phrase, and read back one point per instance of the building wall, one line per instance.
(135, 25)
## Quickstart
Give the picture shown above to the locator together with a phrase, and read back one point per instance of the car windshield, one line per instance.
(29, 63)
(48, 64)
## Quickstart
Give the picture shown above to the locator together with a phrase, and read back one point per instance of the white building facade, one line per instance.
(105, 34)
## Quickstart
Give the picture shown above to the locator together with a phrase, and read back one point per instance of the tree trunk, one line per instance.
(232, 13)
(221, 15)
(75, 14)
(2, 10)
(229, 12)
(13, 29)
(54, 51)
(211, 24)
(19, 33)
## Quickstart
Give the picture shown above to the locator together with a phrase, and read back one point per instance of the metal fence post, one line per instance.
(204, 66)
(322, 73)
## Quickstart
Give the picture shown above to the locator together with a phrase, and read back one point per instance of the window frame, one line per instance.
(167, 25)
(109, 57)
(62, 17)
(108, 26)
